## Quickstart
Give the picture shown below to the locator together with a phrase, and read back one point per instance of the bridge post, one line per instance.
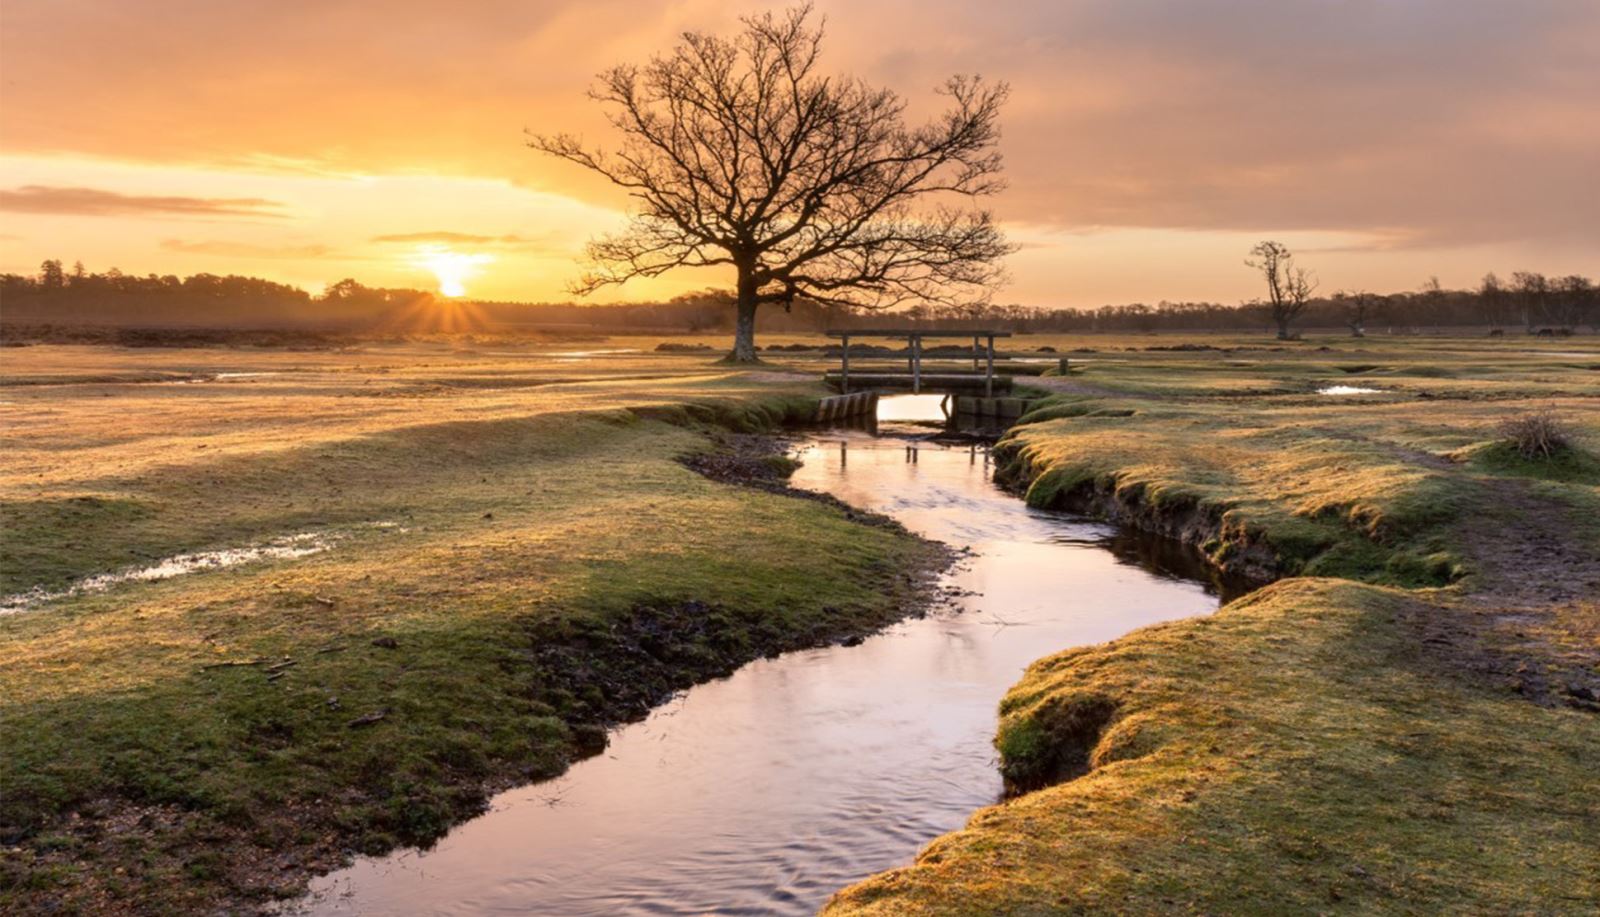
(844, 374)
(916, 363)
(988, 374)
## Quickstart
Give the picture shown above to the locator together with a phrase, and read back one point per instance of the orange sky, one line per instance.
(1148, 142)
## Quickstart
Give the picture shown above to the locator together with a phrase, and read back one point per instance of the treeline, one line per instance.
(75, 296)
(1526, 301)
(1529, 301)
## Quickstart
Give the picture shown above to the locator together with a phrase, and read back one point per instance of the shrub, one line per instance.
(1536, 436)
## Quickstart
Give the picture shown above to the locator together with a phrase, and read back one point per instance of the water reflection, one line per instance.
(766, 791)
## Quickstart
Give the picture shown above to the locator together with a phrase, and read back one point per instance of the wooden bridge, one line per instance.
(915, 377)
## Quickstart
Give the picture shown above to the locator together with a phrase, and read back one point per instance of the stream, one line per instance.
(766, 791)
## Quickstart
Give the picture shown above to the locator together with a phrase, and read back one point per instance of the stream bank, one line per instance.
(765, 791)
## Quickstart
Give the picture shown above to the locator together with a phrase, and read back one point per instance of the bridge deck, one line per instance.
(926, 382)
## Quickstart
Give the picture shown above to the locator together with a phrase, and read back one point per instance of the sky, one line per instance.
(1148, 143)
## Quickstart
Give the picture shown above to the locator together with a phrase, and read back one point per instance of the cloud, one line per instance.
(49, 199)
(1402, 129)
(544, 242)
(245, 249)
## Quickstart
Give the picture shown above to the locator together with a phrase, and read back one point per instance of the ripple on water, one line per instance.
(765, 792)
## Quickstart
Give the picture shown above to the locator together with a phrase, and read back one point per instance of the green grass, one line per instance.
(547, 574)
(1296, 753)
(1310, 748)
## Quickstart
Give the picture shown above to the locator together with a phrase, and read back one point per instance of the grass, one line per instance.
(1354, 738)
(551, 567)
(1295, 753)
(544, 566)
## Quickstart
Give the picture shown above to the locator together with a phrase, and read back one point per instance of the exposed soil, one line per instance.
(593, 674)
(1528, 621)
(1532, 620)
(763, 462)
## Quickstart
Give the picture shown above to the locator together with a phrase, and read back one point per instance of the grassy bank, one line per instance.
(1404, 723)
(500, 573)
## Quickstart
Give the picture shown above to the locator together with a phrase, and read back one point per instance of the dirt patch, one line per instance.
(764, 462)
(1533, 622)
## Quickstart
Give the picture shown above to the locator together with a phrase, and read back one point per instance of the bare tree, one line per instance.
(1533, 295)
(738, 152)
(1433, 297)
(1358, 308)
(1289, 287)
(1492, 300)
(1574, 298)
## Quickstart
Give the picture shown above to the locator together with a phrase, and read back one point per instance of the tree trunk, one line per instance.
(1283, 327)
(744, 324)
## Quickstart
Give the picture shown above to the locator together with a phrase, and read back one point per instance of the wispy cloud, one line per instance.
(49, 199)
(246, 249)
(507, 242)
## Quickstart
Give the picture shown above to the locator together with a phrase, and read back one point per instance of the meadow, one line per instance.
(414, 572)
(503, 555)
(1404, 721)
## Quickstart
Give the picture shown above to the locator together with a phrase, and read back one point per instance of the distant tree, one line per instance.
(51, 277)
(1533, 295)
(1573, 300)
(740, 154)
(1358, 309)
(1289, 287)
(1491, 300)
(1433, 299)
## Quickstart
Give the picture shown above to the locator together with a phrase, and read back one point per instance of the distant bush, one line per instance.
(1536, 436)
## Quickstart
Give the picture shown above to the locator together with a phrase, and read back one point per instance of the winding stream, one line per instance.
(766, 791)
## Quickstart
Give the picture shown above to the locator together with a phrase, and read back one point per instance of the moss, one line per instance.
(1304, 749)
(1051, 741)
(1290, 749)
(1572, 465)
(496, 628)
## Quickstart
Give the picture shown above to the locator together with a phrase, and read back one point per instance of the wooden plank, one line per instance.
(970, 382)
(907, 332)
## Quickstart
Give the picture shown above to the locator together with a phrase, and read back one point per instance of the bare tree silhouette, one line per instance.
(739, 153)
(1289, 287)
(1358, 309)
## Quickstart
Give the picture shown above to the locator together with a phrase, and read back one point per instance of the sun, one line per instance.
(452, 269)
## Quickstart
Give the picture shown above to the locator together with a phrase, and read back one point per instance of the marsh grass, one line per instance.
(1306, 749)
(1295, 753)
(204, 742)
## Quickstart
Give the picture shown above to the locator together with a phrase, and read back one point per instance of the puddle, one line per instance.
(1349, 390)
(285, 547)
(765, 792)
(586, 354)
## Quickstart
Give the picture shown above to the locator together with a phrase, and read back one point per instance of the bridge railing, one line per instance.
(982, 355)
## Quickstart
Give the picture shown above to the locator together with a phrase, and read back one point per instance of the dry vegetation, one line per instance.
(1400, 726)
(1406, 722)
(514, 559)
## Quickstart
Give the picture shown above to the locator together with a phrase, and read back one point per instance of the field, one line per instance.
(423, 570)
(1405, 722)
(507, 557)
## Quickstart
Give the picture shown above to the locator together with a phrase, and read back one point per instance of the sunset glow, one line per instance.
(241, 176)
(452, 269)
